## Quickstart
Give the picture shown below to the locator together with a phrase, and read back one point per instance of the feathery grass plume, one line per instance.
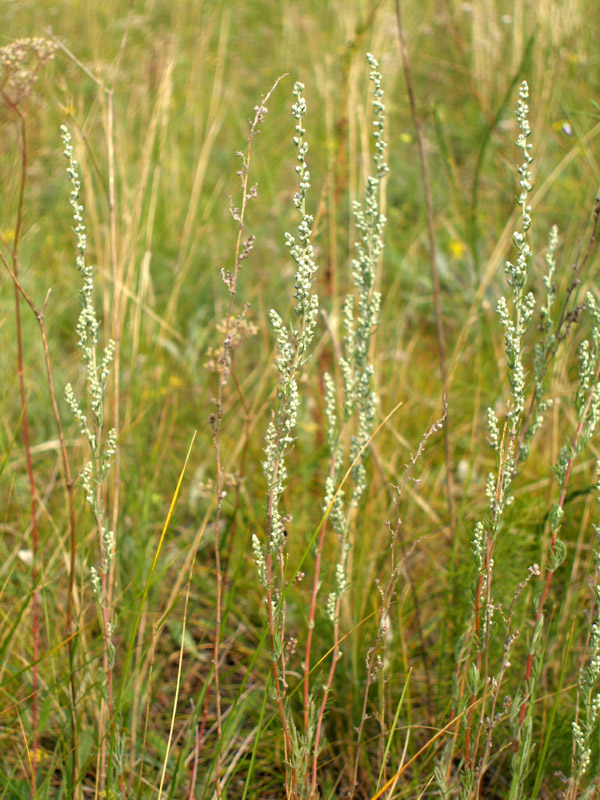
(102, 445)
(293, 345)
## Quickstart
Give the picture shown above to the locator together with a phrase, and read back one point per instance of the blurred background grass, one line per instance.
(186, 76)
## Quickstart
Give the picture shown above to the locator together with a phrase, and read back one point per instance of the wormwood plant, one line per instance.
(102, 449)
(357, 417)
(293, 348)
(348, 434)
(480, 678)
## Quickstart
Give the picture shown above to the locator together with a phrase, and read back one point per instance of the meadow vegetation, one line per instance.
(301, 341)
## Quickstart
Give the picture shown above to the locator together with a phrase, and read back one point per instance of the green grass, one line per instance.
(185, 78)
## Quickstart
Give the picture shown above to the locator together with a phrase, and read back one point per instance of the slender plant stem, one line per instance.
(311, 625)
(116, 309)
(387, 593)
(439, 325)
(22, 139)
(275, 633)
(334, 659)
(485, 576)
(69, 484)
(20, 119)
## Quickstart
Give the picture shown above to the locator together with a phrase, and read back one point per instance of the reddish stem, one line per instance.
(22, 144)
(275, 671)
(312, 614)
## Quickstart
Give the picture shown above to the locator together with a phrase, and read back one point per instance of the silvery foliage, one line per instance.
(515, 321)
(293, 343)
(103, 445)
(360, 316)
(515, 315)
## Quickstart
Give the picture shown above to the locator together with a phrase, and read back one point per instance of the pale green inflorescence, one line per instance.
(103, 446)
(515, 313)
(515, 322)
(589, 355)
(87, 324)
(360, 314)
(523, 303)
(587, 406)
(370, 224)
(292, 344)
(544, 346)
